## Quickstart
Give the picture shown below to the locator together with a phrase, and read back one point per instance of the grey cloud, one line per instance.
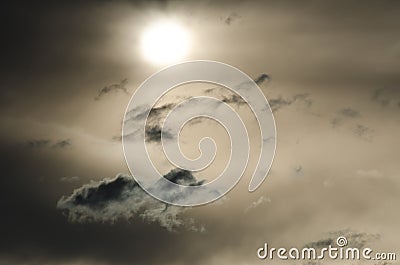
(387, 97)
(38, 143)
(262, 78)
(259, 80)
(116, 138)
(349, 112)
(153, 134)
(363, 132)
(121, 86)
(354, 239)
(62, 143)
(299, 170)
(344, 113)
(122, 198)
(279, 102)
(336, 122)
(231, 18)
(235, 99)
(140, 112)
(42, 143)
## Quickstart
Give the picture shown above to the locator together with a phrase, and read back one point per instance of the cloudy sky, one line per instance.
(330, 71)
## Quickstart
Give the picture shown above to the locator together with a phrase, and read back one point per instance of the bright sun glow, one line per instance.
(165, 42)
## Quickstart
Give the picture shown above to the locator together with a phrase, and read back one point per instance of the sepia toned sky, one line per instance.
(333, 85)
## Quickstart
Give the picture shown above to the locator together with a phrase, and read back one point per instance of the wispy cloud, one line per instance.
(121, 86)
(257, 203)
(363, 132)
(279, 102)
(45, 143)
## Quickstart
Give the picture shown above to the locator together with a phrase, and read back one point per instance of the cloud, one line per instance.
(42, 143)
(279, 102)
(354, 239)
(257, 203)
(153, 134)
(364, 132)
(299, 170)
(262, 78)
(38, 143)
(235, 99)
(122, 198)
(386, 97)
(121, 86)
(259, 80)
(349, 112)
(231, 18)
(62, 143)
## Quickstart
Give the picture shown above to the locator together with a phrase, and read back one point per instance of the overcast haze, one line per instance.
(68, 70)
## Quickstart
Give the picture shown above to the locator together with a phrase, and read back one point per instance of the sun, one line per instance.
(165, 42)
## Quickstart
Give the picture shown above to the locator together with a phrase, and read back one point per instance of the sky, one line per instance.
(331, 77)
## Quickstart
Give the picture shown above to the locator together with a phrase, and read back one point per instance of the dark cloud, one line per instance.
(121, 86)
(235, 99)
(153, 134)
(262, 78)
(122, 198)
(140, 112)
(279, 102)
